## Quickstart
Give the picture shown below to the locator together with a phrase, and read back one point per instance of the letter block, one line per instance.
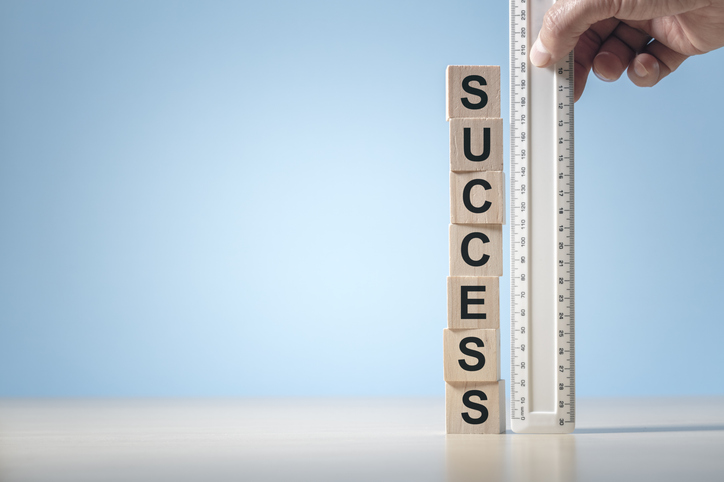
(471, 355)
(473, 302)
(476, 145)
(473, 91)
(476, 250)
(475, 407)
(475, 395)
(477, 197)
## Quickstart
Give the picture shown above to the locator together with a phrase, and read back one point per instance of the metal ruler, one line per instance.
(542, 378)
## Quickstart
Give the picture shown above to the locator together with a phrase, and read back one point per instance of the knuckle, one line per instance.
(612, 8)
(554, 20)
(590, 40)
(577, 14)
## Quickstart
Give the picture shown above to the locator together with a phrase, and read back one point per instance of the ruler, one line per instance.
(542, 378)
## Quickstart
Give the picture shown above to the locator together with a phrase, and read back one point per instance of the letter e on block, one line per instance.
(473, 302)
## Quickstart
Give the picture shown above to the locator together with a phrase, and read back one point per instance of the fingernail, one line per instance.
(539, 56)
(605, 61)
(601, 77)
(639, 69)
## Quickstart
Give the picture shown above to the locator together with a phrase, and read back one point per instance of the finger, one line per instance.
(653, 64)
(580, 77)
(566, 21)
(586, 49)
(618, 51)
(563, 24)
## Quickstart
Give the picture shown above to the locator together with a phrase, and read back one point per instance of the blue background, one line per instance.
(236, 198)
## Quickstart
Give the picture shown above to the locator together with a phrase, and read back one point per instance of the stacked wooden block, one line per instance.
(475, 394)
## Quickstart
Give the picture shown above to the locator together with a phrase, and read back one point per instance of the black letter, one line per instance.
(475, 91)
(473, 353)
(468, 150)
(466, 196)
(464, 248)
(475, 406)
(465, 301)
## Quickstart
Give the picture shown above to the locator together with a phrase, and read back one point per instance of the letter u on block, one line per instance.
(476, 145)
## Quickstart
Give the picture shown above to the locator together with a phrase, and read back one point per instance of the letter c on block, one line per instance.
(467, 192)
(465, 249)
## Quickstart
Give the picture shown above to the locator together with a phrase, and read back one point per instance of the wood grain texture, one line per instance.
(476, 250)
(473, 302)
(476, 144)
(477, 197)
(473, 91)
(471, 355)
(466, 412)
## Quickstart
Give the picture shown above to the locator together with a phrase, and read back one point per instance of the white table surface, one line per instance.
(351, 439)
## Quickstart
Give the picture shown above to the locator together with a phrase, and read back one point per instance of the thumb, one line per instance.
(567, 20)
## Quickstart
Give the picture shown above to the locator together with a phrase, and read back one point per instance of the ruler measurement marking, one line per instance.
(520, 194)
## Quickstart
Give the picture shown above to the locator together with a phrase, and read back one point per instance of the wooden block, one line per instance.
(473, 302)
(473, 91)
(471, 355)
(476, 145)
(475, 407)
(477, 197)
(476, 250)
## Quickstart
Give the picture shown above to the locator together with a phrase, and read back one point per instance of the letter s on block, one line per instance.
(473, 353)
(475, 406)
(474, 91)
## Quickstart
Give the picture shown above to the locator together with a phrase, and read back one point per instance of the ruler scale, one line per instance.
(542, 381)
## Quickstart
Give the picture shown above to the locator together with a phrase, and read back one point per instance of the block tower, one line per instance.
(474, 392)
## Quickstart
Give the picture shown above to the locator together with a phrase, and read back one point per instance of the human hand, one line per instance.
(612, 35)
